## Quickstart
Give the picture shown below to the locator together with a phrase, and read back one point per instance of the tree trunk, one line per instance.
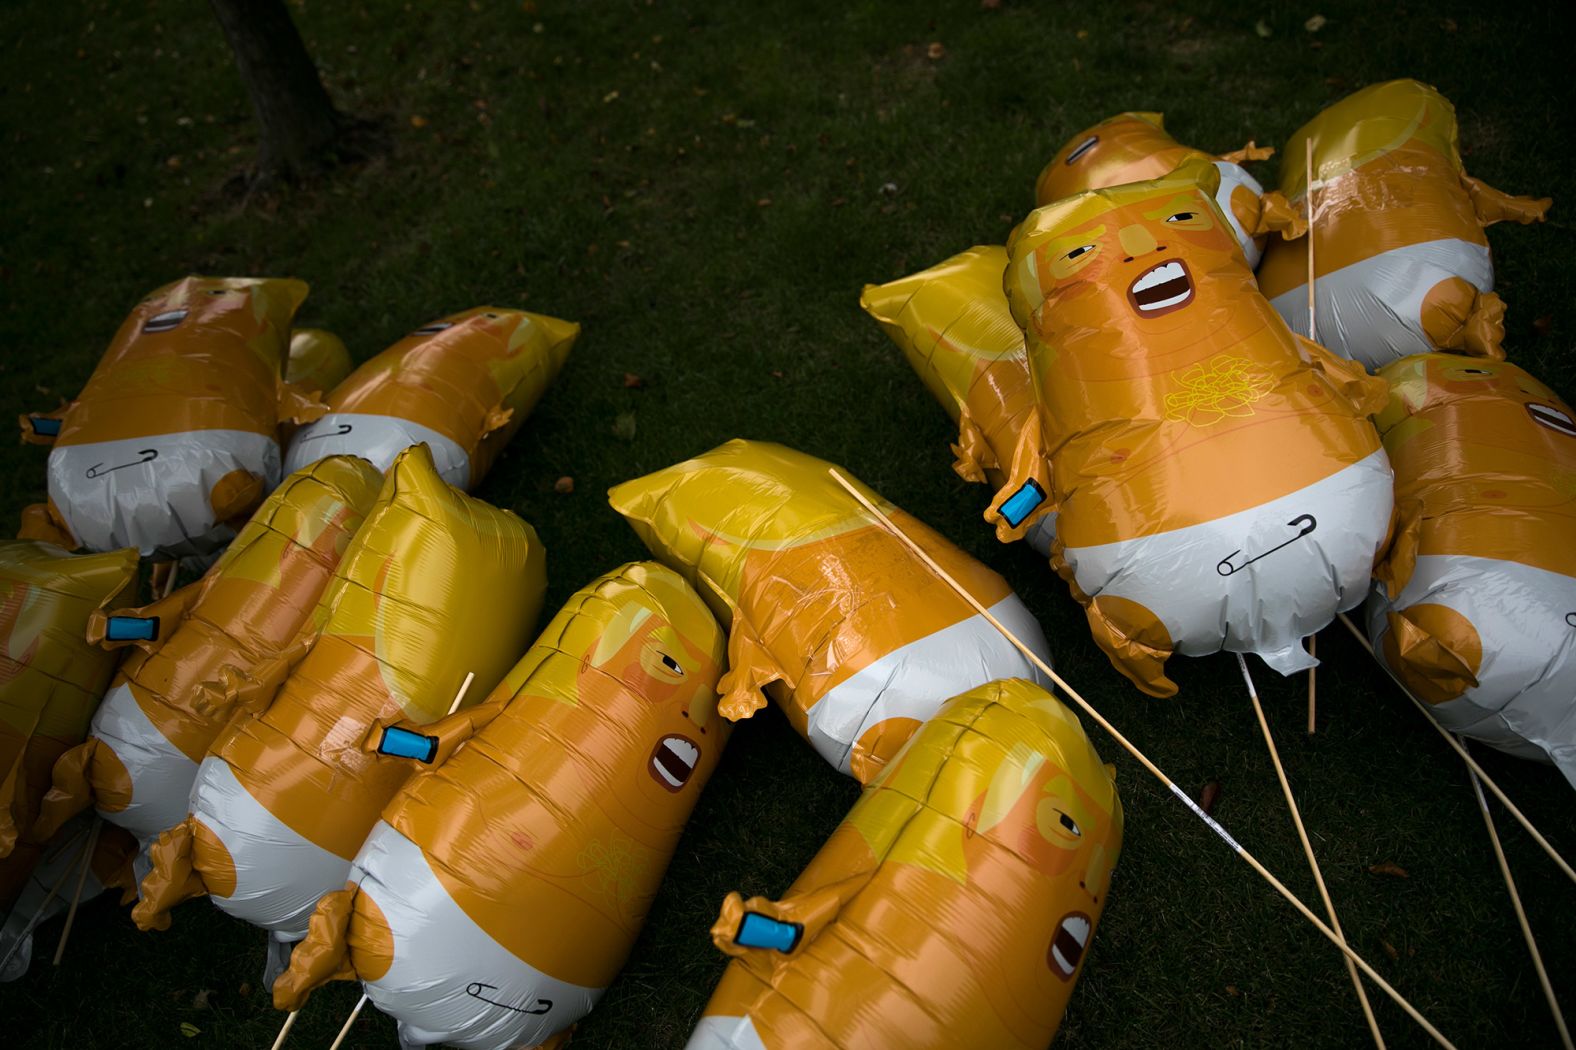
(297, 122)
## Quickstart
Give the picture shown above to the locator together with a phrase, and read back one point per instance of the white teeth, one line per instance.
(166, 320)
(666, 776)
(685, 751)
(1078, 926)
(1061, 961)
(1550, 410)
(1171, 271)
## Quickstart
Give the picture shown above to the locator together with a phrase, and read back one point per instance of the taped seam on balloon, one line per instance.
(1206, 818)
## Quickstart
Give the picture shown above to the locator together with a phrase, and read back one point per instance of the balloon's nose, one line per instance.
(1137, 240)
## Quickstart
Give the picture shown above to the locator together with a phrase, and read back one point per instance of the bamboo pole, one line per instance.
(1521, 914)
(1313, 337)
(1143, 760)
(1307, 849)
(32, 923)
(76, 898)
(343, 1032)
(1455, 744)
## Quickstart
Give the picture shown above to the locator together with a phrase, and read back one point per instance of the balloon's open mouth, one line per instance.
(1162, 289)
(163, 322)
(1553, 418)
(673, 761)
(1067, 947)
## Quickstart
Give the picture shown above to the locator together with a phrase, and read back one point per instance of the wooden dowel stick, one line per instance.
(38, 914)
(284, 1029)
(76, 898)
(1144, 761)
(340, 1038)
(1307, 849)
(1521, 914)
(1455, 744)
(1313, 681)
(169, 584)
(459, 698)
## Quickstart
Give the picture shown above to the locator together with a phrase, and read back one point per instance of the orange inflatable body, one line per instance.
(434, 585)
(1401, 261)
(212, 649)
(462, 386)
(51, 676)
(1474, 607)
(175, 435)
(1218, 481)
(953, 907)
(1135, 147)
(953, 325)
(318, 362)
(855, 638)
(503, 888)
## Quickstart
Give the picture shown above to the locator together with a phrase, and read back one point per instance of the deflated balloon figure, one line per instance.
(1474, 606)
(953, 907)
(953, 325)
(504, 886)
(1218, 481)
(434, 585)
(213, 650)
(462, 386)
(1401, 262)
(1134, 147)
(174, 440)
(832, 615)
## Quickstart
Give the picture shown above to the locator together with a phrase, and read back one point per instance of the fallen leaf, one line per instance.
(1448, 25)
(764, 202)
(990, 5)
(1262, 28)
(1388, 868)
(1209, 796)
(611, 96)
(1542, 324)
(564, 485)
(1082, 34)
(624, 426)
(418, 121)
(1389, 949)
(777, 373)
(1233, 991)
(888, 189)
(633, 382)
(190, 1030)
(935, 51)
(200, 1000)
(245, 990)
(1314, 24)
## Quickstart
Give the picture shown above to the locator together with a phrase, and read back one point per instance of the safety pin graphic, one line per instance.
(1570, 618)
(1308, 523)
(475, 989)
(148, 456)
(344, 428)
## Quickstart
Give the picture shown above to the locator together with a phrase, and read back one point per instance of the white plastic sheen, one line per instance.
(450, 982)
(1042, 534)
(1371, 311)
(916, 679)
(279, 875)
(161, 775)
(377, 439)
(1232, 176)
(725, 1033)
(153, 493)
(1525, 700)
(1284, 587)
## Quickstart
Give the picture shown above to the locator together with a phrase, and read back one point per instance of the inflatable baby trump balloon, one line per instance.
(1474, 606)
(854, 636)
(175, 434)
(1401, 262)
(502, 890)
(51, 677)
(462, 385)
(1218, 480)
(952, 908)
(217, 647)
(1135, 147)
(434, 585)
(954, 327)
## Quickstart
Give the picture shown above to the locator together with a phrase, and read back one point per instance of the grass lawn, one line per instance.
(706, 187)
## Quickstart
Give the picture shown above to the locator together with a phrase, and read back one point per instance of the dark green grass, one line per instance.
(644, 216)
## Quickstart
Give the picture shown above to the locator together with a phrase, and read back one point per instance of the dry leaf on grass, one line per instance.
(1388, 867)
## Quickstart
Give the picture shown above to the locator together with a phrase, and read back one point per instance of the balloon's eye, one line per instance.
(1071, 825)
(672, 665)
(1182, 216)
(1080, 250)
(1083, 147)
